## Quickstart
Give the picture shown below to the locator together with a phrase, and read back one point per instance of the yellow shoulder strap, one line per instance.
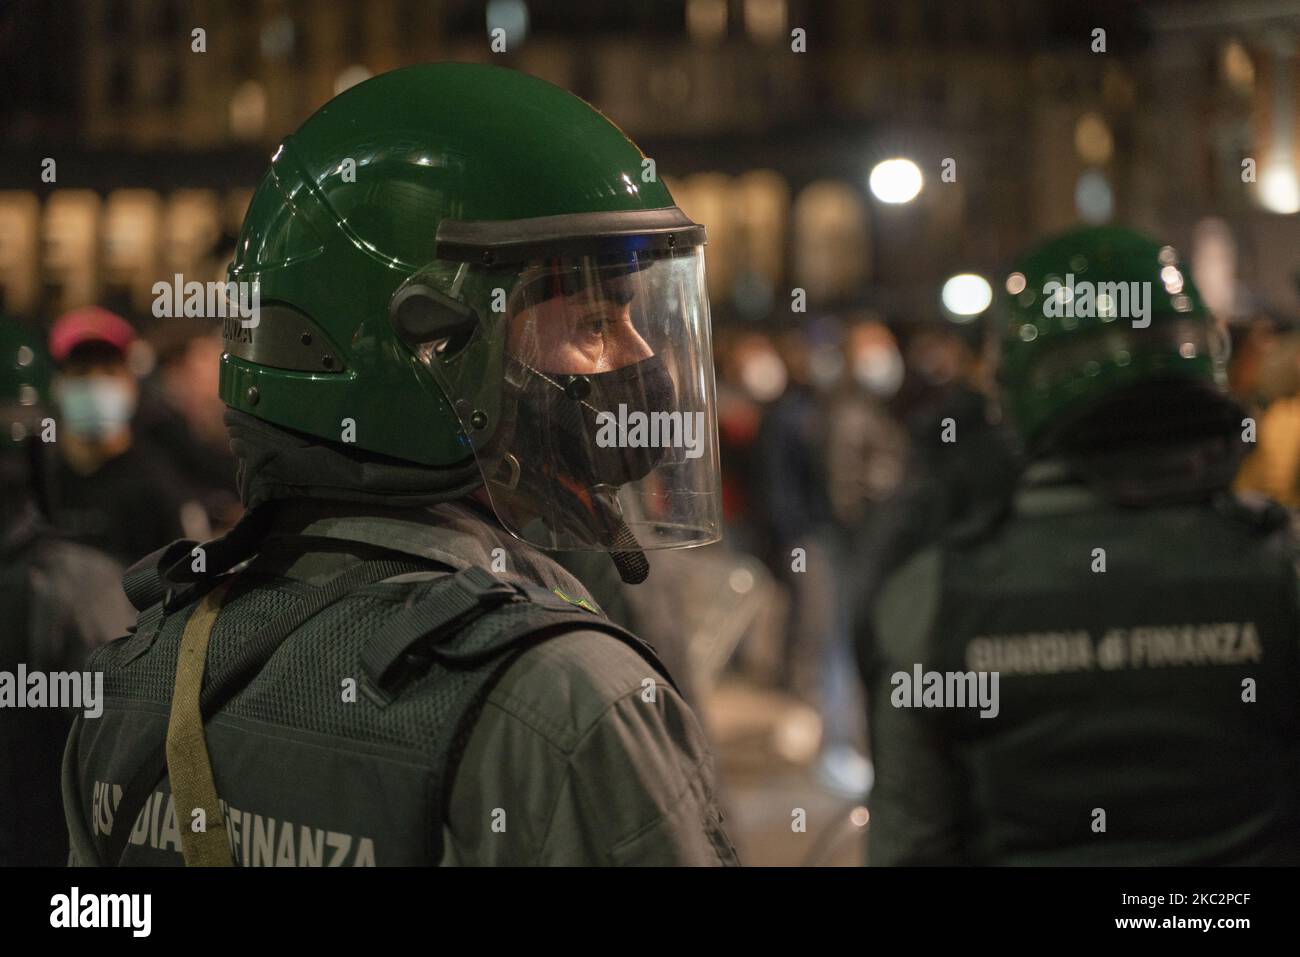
(188, 764)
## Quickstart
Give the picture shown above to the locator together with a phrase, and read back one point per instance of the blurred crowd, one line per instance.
(829, 432)
(840, 458)
(142, 457)
(116, 447)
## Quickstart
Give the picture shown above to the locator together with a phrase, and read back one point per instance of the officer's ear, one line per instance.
(422, 314)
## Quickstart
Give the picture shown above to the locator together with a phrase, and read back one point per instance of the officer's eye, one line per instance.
(592, 327)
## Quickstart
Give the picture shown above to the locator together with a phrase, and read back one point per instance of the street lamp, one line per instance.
(895, 181)
(966, 295)
(1279, 189)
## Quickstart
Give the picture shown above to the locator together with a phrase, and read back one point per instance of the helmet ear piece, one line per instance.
(422, 314)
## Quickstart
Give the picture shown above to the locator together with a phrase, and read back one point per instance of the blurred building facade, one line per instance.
(1217, 157)
(158, 145)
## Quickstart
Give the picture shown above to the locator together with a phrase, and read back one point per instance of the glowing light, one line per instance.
(967, 294)
(510, 16)
(1238, 68)
(896, 181)
(741, 581)
(1093, 197)
(1016, 283)
(1172, 278)
(1092, 139)
(1279, 190)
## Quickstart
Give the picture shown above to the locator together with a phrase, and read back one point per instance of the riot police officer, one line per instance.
(1122, 629)
(482, 332)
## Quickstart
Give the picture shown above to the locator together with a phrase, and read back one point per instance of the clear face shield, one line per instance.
(584, 383)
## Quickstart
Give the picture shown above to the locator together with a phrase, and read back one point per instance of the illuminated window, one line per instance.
(248, 111)
(832, 242)
(706, 20)
(765, 19)
(1238, 68)
(19, 229)
(69, 230)
(350, 77)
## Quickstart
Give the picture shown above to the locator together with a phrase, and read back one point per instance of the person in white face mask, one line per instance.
(866, 445)
(109, 490)
(865, 451)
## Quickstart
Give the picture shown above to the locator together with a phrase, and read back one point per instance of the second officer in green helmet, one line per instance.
(1101, 667)
(482, 333)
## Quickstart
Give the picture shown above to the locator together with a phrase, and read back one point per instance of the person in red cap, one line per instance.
(109, 491)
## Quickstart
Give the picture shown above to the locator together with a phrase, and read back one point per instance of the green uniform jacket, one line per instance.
(567, 763)
(1145, 714)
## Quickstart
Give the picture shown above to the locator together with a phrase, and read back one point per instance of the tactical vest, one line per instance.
(1148, 711)
(338, 712)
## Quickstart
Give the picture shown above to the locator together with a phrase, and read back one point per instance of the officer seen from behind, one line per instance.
(473, 304)
(1142, 621)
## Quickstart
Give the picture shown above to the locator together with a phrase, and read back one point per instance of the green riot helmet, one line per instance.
(1108, 347)
(467, 268)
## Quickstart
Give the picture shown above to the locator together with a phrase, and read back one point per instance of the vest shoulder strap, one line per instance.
(165, 576)
(143, 582)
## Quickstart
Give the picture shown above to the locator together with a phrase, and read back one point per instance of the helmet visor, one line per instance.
(585, 387)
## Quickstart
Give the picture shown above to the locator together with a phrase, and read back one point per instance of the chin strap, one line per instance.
(624, 550)
(596, 516)
(632, 566)
(629, 559)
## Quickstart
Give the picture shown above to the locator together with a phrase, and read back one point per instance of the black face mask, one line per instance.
(556, 426)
